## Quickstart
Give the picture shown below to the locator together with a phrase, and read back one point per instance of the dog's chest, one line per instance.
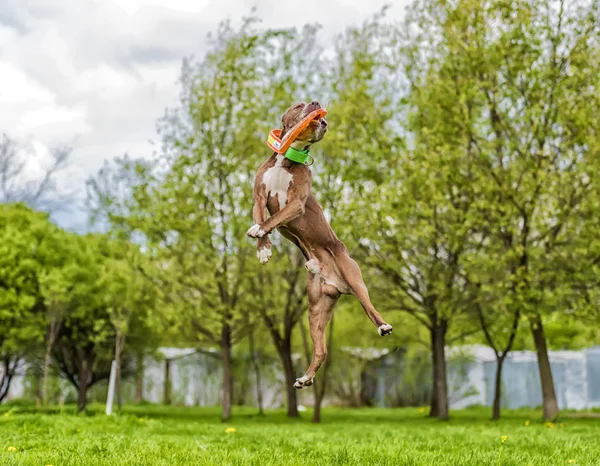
(277, 180)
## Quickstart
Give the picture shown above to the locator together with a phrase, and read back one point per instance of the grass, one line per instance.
(159, 435)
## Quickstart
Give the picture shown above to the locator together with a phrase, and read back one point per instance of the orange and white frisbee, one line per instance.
(281, 145)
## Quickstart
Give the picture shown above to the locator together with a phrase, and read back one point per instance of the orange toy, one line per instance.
(282, 145)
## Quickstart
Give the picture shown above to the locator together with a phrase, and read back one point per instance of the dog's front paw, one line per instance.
(255, 231)
(303, 382)
(384, 329)
(264, 255)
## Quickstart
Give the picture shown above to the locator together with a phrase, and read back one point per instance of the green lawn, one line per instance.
(148, 435)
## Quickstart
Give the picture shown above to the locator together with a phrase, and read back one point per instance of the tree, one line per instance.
(407, 216)
(55, 288)
(521, 74)
(280, 290)
(22, 232)
(127, 296)
(17, 184)
(280, 285)
(352, 156)
(532, 113)
(82, 350)
(497, 311)
(192, 215)
(255, 361)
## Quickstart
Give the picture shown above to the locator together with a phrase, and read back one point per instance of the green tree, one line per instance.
(407, 219)
(280, 292)
(82, 352)
(128, 297)
(351, 159)
(56, 282)
(22, 232)
(192, 212)
(280, 286)
(522, 75)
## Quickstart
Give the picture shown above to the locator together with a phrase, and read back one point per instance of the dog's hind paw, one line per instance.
(264, 255)
(384, 329)
(303, 382)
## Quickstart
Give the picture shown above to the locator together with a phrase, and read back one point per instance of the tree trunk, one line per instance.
(303, 332)
(37, 385)
(119, 344)
(227, 376)
(434, 408)
(548, 393)
(440, 383)
(167, 387)
(285, 355)
(7, 375)
(498, 387)
(139, 378)
(52, 335)
(319, 389)
(284, 351)
(318, 399)
(47, 360)
(256, 365)
(84, 375)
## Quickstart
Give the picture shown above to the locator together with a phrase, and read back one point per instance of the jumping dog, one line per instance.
(283, 187)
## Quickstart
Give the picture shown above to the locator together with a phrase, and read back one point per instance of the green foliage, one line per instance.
(461, 170)
(514, 97)
(83, 350)
(23, 234)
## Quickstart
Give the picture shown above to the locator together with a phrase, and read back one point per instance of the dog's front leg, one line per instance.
(294, 209)
(263, 249)
(297, 196)
(259, 216)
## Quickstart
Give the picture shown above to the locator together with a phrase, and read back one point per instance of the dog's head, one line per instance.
(313, 133)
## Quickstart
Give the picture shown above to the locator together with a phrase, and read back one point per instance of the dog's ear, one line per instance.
(291, 117)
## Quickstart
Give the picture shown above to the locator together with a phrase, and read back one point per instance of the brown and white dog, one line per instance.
(284, 188)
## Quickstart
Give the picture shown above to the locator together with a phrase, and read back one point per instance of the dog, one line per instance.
(283, 187)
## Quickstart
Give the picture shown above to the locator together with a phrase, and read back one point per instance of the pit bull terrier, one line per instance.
(283, 187)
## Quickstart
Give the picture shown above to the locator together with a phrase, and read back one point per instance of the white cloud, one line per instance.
(188, 6)
(51, 116)
(18, 87)
(97, 74)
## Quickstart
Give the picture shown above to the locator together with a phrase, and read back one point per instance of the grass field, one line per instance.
(147, 435)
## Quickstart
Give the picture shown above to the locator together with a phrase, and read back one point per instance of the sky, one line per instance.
(97, 75)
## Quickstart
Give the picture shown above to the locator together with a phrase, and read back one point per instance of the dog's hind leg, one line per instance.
(351, 273)
(322, 299)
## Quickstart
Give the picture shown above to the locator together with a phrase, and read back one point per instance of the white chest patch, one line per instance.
(277, 181)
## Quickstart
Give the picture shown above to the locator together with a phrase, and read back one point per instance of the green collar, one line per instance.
(299, 156)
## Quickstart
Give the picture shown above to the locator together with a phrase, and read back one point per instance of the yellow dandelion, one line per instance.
(550, 424)
(230, 430)
(504, 438)
(571, 461)
(11, 449)
(421, 410)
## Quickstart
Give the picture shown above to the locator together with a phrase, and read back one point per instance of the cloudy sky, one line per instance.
(97, 74)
